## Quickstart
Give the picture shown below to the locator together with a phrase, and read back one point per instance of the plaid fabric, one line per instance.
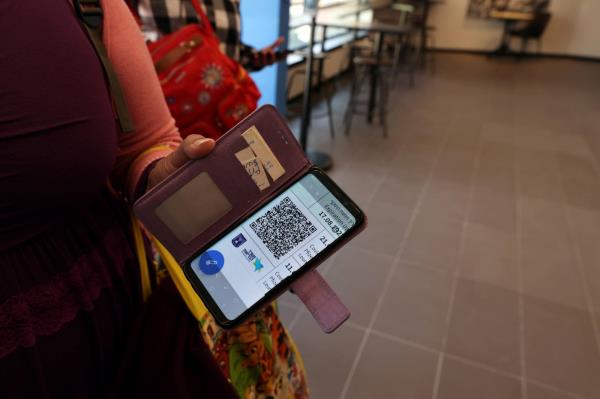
(161, 17)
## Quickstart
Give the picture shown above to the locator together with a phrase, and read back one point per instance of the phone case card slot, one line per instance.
(241, 206)
(182, 214)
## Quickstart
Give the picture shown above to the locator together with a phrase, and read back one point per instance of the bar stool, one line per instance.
(402, 46)
(425, 55)
(319, 59)
(416, 14)
(364, 66)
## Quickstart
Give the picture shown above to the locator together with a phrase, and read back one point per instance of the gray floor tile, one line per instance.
(586, 233)
(457, 161)
(597, 327)
(496, 170)
(489, 255)
(538, 392)
(358, 276)
(552, 274)
(359, 184)
(386, 227)
(416, 305)
(434, 242)
(580, 181)
(445, 199)
(462, 381)
(499, 132)
(549, 263)
(543, 222)
(289, 299)
(493, 209)
(560, 347)
(411, 165)
(485, 326)
(287, 313)
(327, 358)
(538, 175)
(425, 145)
(496, 116)
(402, 371)
(403, 191)
(548, 139)
(456, 166)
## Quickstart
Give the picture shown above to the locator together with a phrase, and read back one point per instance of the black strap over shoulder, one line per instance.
(91, 17)
(90, 12)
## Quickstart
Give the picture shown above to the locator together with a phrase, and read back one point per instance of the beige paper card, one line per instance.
(263, 153)
(254, 167)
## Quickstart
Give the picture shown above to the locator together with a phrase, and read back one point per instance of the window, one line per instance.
(299, 34)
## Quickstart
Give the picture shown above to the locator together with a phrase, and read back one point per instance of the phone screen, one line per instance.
(273, 243)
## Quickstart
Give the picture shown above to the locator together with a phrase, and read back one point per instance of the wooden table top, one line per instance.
(372, 25)
(403, 7)
(346, 17)
(511, 15)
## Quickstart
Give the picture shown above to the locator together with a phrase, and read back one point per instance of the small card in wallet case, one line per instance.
(251, 165)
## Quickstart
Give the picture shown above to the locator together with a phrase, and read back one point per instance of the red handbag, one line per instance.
(207, 92)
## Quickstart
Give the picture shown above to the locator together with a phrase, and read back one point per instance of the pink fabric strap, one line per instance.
(323, 303)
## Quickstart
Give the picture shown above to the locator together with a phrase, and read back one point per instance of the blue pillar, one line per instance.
(263, 21)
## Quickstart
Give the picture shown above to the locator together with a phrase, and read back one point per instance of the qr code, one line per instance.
(282, 228)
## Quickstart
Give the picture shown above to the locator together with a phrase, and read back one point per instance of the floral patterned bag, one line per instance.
(259, 357)
(206, 91)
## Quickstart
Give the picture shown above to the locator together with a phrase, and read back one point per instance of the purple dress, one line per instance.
(71, 320)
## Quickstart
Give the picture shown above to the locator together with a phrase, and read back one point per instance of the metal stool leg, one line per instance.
(330, 114)
(351, 102)
(396, 60)
(357, 83)
(432, 54)
(411, 61)
(383, 102)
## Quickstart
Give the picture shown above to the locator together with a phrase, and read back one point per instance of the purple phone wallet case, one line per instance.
(244, 197)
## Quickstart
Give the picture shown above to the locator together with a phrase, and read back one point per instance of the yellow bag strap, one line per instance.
(140, 251)
(191, 299)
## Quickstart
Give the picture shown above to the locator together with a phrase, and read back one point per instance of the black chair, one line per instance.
(533, 29)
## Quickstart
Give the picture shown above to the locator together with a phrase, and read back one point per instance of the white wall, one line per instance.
(573, 30)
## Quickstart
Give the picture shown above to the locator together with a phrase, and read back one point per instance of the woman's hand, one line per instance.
(268, 55)
(193, 147)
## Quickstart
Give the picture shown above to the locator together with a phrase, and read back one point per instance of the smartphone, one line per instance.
(251, 263)
(282, 54)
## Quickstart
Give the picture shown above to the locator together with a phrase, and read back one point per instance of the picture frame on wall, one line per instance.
(482, 8)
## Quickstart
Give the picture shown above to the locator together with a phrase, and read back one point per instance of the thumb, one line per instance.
(280, 40)
(193, 147)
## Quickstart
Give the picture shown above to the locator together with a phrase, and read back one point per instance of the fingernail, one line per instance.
(199, 142)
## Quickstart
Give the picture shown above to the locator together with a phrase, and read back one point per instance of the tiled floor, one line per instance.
(479, 274)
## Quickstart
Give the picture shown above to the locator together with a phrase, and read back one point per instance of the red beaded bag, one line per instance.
(207, 92)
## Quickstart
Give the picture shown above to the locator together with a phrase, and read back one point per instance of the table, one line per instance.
(318, 158)
(372, 26)
(379, 28)
(404, 9)
(508, 17)
(511, 15)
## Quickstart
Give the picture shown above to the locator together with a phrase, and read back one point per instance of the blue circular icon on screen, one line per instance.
(211, 262)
